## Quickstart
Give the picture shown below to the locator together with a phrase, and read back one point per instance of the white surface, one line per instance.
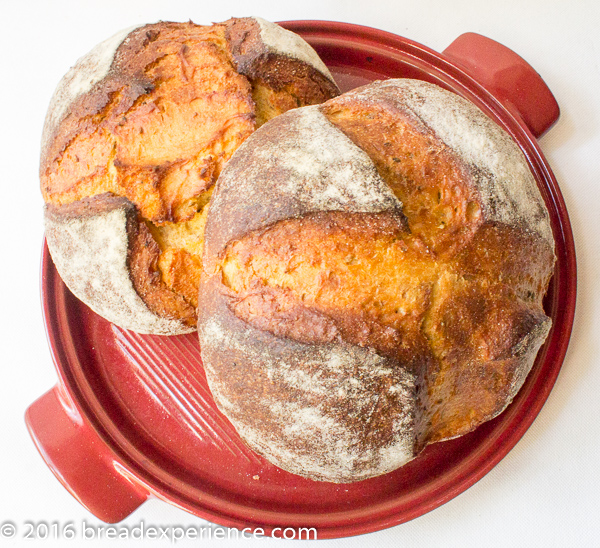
(546, 491)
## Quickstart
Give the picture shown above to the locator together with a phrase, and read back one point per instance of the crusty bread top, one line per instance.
(152, 115)
(94, 66)
(157, 128)
(504, 182)
(364, 227)
(308, 166)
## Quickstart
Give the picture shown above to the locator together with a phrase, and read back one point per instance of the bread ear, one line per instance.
(266, 51)
(107, 258)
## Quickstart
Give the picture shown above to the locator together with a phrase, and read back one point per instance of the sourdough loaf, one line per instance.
(380, 286)
(135, 137)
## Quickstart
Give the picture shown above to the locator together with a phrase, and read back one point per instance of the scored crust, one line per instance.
(302, 164)
(104, 235)
(257, 44)
(396, 223)
(152, 115)
(285, 420)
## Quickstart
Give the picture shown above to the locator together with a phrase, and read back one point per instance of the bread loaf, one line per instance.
(380, 286)
(135, 137)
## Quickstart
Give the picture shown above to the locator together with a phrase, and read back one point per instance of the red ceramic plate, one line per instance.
(132, 417)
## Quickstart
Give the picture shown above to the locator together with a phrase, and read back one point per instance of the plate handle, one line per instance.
(81, 460)
(508, 77)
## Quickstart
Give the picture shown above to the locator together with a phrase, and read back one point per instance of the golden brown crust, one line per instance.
(445, 281)
(440, 200)
(152, 116)
(319, 279)
(487, 316)
(479, 335)
(360, 279)
(163, 301)
(158, 128)
(510, 255)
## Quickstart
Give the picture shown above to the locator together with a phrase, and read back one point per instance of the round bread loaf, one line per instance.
(380, 286)
(135, 137)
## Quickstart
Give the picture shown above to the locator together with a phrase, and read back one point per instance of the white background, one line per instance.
(546, 491)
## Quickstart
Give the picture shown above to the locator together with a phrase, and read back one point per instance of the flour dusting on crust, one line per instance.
(81, 78)
(284, 42)
(504, 181)
(315, 439)
(100, 244)
(338, 411)
(298, 163)
(318, 167)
